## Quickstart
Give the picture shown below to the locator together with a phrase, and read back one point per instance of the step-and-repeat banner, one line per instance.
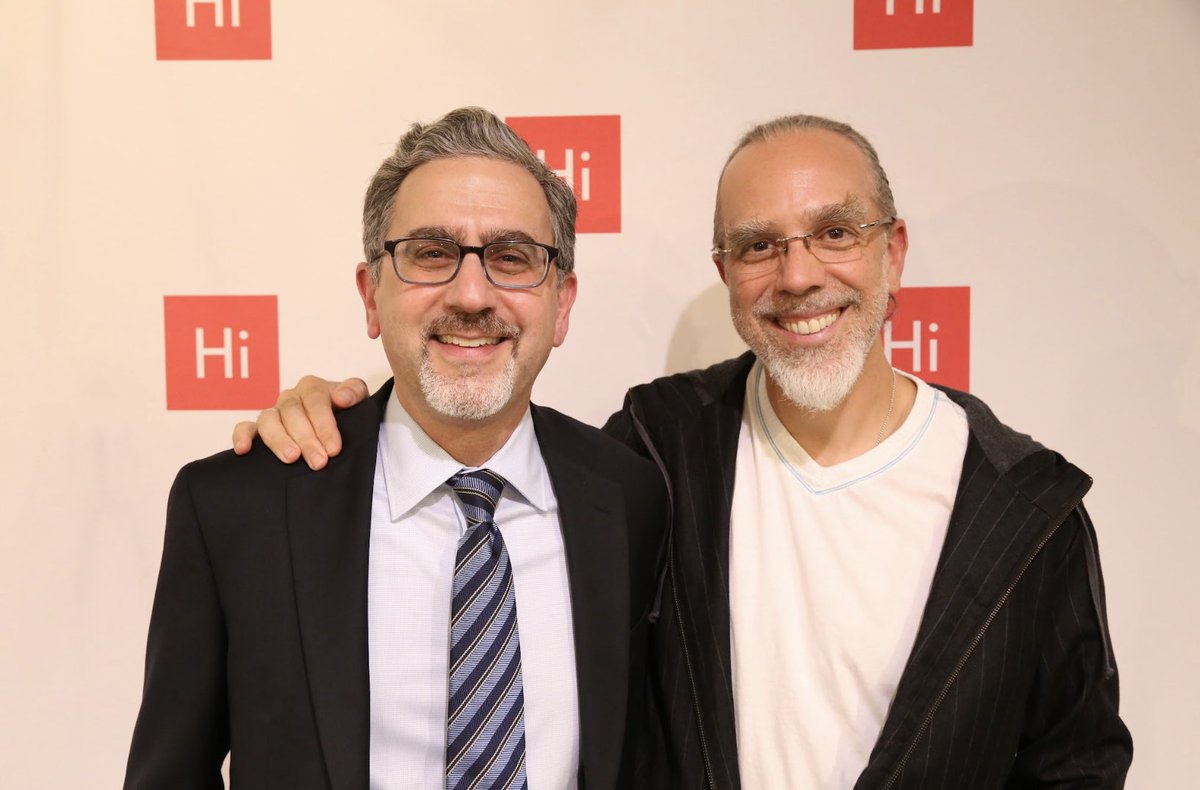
(179, 227)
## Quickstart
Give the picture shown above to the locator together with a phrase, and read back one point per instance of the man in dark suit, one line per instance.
(461, 599)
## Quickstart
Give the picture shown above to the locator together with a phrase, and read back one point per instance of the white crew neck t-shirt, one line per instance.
(830, 568)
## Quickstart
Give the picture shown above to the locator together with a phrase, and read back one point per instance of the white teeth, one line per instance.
(468, 342)
(812, 325)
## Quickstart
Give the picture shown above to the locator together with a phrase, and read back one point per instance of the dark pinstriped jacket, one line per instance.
(1011, 682)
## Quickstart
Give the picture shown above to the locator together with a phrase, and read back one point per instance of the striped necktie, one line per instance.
(485, 717)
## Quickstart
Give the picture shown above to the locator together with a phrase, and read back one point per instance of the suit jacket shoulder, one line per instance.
(359, 427)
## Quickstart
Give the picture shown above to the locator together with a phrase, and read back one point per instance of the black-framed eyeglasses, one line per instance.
(833, 244)
(506, 264)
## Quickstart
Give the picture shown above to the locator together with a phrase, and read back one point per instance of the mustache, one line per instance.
(485, 323)
(817, 303)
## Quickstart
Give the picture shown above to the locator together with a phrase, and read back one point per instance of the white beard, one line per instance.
(817, 379)
(813, 383)
(469, 397)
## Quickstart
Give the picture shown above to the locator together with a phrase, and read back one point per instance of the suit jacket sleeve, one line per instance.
(1074, 736)
(182, 731)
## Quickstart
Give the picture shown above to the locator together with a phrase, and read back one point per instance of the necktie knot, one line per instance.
(478, 491)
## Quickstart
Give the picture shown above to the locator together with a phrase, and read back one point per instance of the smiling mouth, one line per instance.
(467, 342)
(812, 325)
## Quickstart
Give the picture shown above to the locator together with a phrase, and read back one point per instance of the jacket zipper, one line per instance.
(962, 661)
(687, 660)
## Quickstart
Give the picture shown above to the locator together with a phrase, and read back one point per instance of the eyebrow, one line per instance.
(506, 234)
(435, 232)
(849, 211)
(744, 232)
(457, 233)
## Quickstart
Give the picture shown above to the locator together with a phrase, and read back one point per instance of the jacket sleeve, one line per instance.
(1074, 736)
(626, 427)
(621, 427)
(182, 731)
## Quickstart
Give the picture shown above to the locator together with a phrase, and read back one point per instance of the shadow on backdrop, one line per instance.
(704, 333)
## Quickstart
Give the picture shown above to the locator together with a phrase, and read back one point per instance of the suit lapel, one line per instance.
(590, 510)
(329, 525)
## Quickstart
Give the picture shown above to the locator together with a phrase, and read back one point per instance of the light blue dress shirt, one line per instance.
(416, 523)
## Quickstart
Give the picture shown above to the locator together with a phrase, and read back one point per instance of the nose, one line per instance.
(799, 270)
(470, 290)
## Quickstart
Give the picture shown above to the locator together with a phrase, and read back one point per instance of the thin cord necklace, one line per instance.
(888, 416)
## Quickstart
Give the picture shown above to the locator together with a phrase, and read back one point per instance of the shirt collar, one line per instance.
(414, 466)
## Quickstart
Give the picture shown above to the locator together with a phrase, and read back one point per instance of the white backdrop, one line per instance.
(1052, 167)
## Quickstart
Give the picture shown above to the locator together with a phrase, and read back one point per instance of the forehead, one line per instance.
(473, 193)
(791, 176)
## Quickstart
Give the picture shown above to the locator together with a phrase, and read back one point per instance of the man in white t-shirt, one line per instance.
(872, 582)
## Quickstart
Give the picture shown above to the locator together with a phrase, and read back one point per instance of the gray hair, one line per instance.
(788, 124)
(467, 131)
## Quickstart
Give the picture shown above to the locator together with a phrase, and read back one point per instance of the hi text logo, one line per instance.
(897, 24)
(929, 335)
(585, 151)
(222, 351)
(213, 29)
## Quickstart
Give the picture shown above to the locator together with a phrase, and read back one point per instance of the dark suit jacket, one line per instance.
(258, 635)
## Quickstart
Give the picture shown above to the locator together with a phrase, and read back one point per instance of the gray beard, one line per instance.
(817, 379)
(815, 385)
(468, 397)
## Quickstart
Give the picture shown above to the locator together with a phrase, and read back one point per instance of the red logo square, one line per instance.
(929, 335)
(213, 29)
(222, 351)
(585, 151)
(897, 24)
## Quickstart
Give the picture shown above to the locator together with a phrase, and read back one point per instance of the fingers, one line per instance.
(296, 425)
(350, 392)
(301, 423)
(274, 434)
(243, 436)
(320, 398)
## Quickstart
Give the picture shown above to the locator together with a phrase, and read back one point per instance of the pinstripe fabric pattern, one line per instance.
(485, 739)
(692, 657)
(1010, 683)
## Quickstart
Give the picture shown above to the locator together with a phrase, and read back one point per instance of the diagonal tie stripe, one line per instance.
(494, 625)
(485, 713)
(466, 700)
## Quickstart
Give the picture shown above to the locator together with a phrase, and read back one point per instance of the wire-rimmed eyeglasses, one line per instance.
(834, 244)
